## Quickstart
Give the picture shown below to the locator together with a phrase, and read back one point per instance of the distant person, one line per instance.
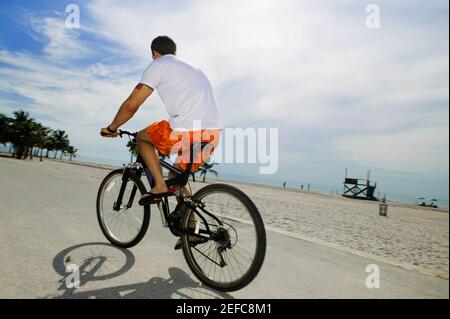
(301, 187)
(284, 185)
(190, 103)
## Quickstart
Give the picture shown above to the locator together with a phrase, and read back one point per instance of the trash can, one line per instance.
(383, 208)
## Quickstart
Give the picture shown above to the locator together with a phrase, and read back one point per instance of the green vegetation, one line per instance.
(28, 138)
(207, 168)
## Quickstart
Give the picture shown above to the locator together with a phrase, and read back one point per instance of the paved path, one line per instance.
(47, 220)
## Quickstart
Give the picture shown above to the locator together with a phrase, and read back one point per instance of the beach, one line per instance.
(318, 246)
(412, 235)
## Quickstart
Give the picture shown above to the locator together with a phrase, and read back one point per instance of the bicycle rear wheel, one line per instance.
(233, 256)
(126, 227)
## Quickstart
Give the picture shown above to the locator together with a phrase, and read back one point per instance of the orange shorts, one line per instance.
(168, 141)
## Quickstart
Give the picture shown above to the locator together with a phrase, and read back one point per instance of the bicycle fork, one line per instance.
(125, 179)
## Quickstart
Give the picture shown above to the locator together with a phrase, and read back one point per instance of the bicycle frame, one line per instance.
(195, 217)
(181, 179)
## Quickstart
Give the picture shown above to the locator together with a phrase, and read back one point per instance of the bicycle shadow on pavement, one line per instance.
(99, 262)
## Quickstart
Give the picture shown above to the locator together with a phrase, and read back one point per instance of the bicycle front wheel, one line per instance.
(127, 226)
(233, 256)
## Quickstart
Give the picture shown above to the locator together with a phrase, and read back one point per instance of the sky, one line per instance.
(340, 94)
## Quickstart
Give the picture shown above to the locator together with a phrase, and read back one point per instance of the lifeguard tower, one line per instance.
(359, 188)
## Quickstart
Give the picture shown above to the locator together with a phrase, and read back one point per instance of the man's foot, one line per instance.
(193, 241)
(155, 195)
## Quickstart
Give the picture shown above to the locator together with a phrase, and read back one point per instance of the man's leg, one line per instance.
(149, 154)
(183, 189)
(185, 192)
(192, 221)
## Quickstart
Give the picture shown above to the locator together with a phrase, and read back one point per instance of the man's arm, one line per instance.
(126, 111)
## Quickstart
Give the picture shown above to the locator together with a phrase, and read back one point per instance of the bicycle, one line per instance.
(224, 259)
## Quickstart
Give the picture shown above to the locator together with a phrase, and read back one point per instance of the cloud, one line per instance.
(416, 150)
(60, 44)
(78, 99)
(312, 69)
(63, 43)
(301, 59)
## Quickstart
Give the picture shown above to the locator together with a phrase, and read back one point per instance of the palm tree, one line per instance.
(132, 147)
(61, 141)
(72, 151)
(50, 144)
(29, 138)
(34, 137)
(21, 127)
(5, 131)
(207, 168)
(4, 128)
(64, 148)
(43, 139)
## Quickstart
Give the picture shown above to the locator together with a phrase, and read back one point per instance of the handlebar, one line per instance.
(127, 133)
(121, 133)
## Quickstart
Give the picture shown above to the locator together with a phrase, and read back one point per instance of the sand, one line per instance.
(412, 235)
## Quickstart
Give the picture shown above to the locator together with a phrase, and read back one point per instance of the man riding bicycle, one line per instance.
(193, 115)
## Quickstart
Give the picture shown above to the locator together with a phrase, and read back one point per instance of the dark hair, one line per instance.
(164, 45)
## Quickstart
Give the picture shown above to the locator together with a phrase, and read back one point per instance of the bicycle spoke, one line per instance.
(211, 246)
(229, 266)
(236, 249)
(213, 260)
(239, 264)
(125, 224)
(236, 236)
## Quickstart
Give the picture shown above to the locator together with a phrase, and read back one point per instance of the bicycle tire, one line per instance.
(260, 245)
(146, 219)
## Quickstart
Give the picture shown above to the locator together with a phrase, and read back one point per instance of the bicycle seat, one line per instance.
(182, 179)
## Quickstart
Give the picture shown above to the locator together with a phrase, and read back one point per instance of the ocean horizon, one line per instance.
(411, 199)
(265, 181)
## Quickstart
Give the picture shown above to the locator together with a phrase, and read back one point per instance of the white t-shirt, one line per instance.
(186, 93)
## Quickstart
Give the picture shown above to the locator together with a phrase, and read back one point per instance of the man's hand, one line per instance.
(107, 133)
